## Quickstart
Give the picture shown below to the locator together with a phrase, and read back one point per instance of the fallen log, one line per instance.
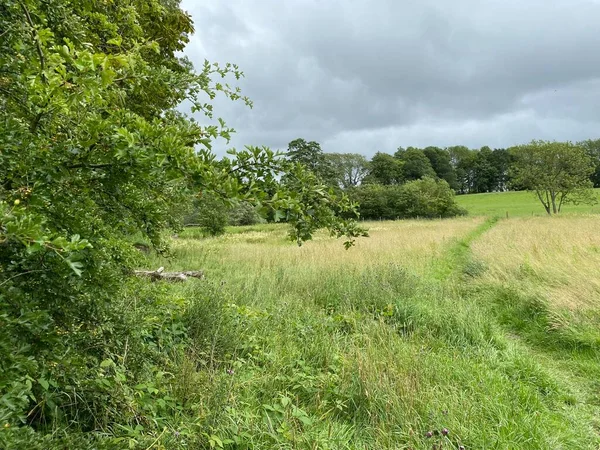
(160, 274)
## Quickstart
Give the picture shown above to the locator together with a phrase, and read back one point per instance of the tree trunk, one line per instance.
(553, 197)
(545, 203)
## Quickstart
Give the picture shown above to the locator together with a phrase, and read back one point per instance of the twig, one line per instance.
(35, 36)
(20, 274)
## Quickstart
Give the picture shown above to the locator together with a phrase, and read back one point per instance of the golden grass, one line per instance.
(412, 244)
(557, 257)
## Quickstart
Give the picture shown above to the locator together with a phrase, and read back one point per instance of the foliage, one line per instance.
(558, 173)
(426, 198)
(244, 213)
(384, 169)
(311, 156)
(212, 214)
(94, 152)
(442, 165)
(415, 165)
(592, 147)
(349, 168)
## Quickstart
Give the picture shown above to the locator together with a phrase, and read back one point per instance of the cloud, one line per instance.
(364, 76)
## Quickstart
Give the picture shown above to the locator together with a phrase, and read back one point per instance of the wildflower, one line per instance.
(230, 371)
(445, 432)
(429, 434)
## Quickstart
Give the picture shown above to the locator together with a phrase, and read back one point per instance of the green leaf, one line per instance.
(115, 41)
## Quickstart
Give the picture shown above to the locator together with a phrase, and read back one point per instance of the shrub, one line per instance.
(426, 198)
(210, 213)
(244, 214)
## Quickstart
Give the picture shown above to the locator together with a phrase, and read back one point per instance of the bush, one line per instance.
(425, 198)
(210, 213)
(244, 214)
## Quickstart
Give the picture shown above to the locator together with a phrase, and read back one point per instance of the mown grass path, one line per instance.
(457, 257)
(563, 367)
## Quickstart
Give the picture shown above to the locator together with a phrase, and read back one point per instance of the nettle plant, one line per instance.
(93, 150)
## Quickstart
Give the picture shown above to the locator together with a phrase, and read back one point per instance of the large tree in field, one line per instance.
(94, 151)
(558, 173)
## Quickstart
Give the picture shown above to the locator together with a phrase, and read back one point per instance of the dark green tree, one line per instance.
(463, 161)
(384, 169)
(415, 165)
(592, 148)
(442, 165)
(485, 173)
(311, 156)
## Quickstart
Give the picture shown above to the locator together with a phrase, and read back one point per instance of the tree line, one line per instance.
(563, 172)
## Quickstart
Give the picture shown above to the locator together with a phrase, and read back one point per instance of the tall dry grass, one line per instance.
(555, 257)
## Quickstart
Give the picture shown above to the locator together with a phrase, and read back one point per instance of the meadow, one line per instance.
(473, 333)
(515, 203)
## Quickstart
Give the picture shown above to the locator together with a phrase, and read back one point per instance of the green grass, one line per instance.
(514, 204)
(412, 331)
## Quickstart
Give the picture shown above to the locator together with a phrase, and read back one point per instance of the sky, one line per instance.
(364, 76)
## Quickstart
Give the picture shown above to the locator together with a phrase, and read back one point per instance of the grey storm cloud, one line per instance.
(366, 76)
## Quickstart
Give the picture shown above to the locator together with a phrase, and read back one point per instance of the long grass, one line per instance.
(424, 326)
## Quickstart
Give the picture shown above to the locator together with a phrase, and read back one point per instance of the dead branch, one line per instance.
(159, 274)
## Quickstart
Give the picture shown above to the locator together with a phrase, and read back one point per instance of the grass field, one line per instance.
(519, 203)
(485, 329)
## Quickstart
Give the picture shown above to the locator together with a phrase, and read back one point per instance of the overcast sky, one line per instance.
(372, 75)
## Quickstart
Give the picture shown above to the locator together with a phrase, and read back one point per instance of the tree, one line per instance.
(94, 152)
(463, 161)
(415, 165)
(442, 165)
(485, 173)
(384, 169)
(592, 148)
(311, 156)
(501, 159)
(558, 173)
(349, 168)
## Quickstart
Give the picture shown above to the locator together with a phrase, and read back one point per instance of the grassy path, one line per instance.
(458, 256)
(567, 371)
